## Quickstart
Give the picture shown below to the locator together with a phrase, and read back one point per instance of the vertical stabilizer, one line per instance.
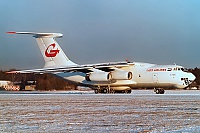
(51, 51)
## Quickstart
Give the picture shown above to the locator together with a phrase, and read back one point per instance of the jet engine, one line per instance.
(122, 75)
(99, 76)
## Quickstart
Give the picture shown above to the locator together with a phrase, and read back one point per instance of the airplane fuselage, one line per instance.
(145, 75)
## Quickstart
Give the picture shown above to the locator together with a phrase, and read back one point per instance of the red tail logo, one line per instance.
(50, 51)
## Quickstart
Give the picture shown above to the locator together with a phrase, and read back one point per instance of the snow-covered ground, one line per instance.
(140, 111)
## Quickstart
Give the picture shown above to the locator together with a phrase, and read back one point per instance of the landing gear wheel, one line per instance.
(129, 91)
(96, 91)
(126, 91)
(105, 90)
(160, 91)
(157, 91)
(112, 91)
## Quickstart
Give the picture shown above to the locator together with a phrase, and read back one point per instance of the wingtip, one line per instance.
(11, 32)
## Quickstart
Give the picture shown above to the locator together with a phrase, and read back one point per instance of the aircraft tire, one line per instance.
(129, 91)
(126, 91)
(112, 91)
(105, 90)
(96, 91)
(157, 91)
(160, 91)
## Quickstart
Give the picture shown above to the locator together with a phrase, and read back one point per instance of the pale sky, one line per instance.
(152, 31)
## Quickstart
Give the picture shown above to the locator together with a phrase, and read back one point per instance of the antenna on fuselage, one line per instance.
(127, 60)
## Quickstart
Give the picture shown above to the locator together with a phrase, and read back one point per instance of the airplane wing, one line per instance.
(106, 67)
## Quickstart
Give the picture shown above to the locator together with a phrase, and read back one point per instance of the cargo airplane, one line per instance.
(108, 77)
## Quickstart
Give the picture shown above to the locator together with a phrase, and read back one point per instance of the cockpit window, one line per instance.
(179, 69)
(184, 69)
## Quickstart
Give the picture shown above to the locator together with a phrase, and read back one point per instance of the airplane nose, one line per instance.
(191, 77)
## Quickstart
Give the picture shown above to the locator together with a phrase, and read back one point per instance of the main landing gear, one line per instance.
(159, 90)
(109, 90)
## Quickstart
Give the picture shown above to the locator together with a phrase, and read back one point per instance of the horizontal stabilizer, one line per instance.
(35, 34)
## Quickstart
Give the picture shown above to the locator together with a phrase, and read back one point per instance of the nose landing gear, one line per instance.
(159, 90)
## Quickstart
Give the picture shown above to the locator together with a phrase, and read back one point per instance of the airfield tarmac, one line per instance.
(141, 111)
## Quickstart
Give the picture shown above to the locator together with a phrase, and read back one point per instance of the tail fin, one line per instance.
(51, 51)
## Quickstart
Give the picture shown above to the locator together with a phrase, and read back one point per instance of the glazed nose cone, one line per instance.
(191, 77)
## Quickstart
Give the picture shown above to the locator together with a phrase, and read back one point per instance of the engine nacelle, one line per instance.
(122, 75)
(99, 76)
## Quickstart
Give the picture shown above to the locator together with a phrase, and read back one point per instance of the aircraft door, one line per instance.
(155, 78)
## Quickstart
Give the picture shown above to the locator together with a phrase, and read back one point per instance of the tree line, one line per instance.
(43, 81)
(196, 72)
(52, 82)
